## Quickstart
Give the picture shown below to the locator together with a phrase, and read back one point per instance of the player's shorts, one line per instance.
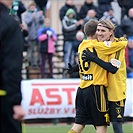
(92, 106)
(116, 111)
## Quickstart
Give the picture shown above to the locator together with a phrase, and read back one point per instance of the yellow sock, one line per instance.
(71, 131)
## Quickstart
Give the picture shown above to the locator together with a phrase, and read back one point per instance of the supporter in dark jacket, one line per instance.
(125, 6)
(17, 9)
(41, 5)
(91, 14)
(11, 57)
(103, 6)
(21, 10)
(69, 4)
(88, 5)
(75, 74)
(104, 2)
(127, 24)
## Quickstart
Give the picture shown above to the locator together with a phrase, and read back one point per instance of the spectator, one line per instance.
(88, 5)
(127, 28)
(69, 4)
(125, 6)
(34, 20)
(11, 49)
(46, 37)
(17, 9)
(79, 39)
(91, 14)
(25, 34)
(75, 74)
(103, 6)
(43, 5)
(127, 24)
(109, 15)
(128, 66)
(130, 51)
(69, 27)
(130, 57)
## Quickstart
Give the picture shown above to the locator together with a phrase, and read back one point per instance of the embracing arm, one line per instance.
(111, 66)
(116, 45)
(106, 65)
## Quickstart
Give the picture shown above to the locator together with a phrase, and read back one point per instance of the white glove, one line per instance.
(49, 33)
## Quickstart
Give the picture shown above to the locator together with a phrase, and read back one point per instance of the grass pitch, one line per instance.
(63, 128)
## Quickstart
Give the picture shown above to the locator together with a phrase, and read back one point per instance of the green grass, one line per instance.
(59, 128)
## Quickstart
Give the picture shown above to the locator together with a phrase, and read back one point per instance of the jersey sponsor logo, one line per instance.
(115, 63)
(87, 76)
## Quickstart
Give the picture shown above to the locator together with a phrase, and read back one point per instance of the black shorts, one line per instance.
(92, 106)
(116, 111)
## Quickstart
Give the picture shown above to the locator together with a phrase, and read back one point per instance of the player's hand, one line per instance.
(87, 55)
(19, 113)
(72, 69)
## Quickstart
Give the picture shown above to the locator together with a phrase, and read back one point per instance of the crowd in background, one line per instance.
(40, 38)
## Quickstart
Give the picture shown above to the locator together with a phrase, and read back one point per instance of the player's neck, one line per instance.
(90, 38)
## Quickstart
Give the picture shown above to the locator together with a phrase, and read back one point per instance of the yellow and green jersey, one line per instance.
(90, 72)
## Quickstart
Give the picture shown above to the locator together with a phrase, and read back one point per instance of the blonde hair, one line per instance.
(31, 3)
(106, 23)
(47, 19)
(109, 25)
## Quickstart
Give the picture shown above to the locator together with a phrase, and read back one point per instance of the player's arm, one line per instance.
(111, 66)
(104, 47)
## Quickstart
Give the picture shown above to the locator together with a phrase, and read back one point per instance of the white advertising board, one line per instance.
(47, 98)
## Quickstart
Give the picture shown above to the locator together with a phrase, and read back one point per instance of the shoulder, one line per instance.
(65, 18)
(8, 21)
(86, 44)
(120, 39)
(63, 8)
